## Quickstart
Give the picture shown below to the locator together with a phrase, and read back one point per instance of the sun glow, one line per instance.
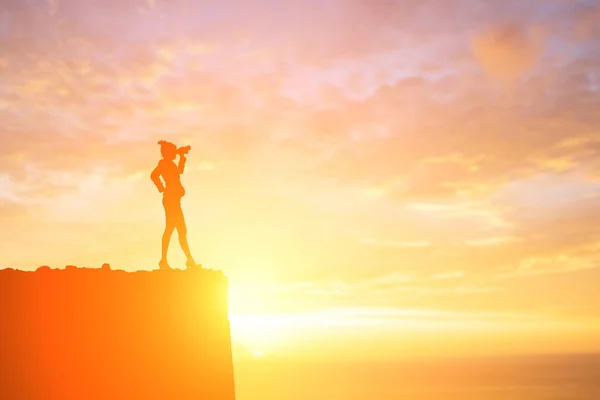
(258, 354)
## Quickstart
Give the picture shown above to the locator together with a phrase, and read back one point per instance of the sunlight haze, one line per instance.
(377, 180)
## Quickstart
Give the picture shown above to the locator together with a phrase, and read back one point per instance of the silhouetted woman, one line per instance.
(172, 191)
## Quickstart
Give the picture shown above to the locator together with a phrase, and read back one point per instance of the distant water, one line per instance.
(507, 378)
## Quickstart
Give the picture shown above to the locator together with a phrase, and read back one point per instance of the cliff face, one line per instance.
(102, 334)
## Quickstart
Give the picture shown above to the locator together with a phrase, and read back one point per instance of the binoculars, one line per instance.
(184, 150)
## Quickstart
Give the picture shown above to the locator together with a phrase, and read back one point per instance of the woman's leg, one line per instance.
(166, 238)
(169, 228)
(182, 233)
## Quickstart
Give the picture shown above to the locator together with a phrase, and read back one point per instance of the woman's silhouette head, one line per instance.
(168, 150)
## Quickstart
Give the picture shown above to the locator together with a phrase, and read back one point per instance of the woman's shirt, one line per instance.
(171, 175)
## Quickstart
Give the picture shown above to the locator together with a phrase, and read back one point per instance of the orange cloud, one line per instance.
(374, 165)
(509, 51)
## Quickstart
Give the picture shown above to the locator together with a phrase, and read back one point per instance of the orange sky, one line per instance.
(362, 173)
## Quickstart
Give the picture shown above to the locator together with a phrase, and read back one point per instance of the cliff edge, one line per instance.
(80, 333)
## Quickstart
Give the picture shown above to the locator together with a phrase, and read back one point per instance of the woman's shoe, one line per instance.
(191, 264)
(163, 265)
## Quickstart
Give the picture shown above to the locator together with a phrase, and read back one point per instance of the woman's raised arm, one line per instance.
(181, 165)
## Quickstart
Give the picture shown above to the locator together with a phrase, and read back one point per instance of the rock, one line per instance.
(85, 334)
(43, 268)
(106, 267)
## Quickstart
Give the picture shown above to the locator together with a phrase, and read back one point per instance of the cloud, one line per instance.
(490, 241)
(321, 125)
(395, 243)
(509, 51)
(11, 209)
(587, 23)
(449, 275)
(548, 265)
(52, 6)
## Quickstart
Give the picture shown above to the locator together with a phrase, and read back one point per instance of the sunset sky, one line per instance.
(373, 175)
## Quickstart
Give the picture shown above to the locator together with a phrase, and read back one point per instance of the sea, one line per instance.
(545, 377)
